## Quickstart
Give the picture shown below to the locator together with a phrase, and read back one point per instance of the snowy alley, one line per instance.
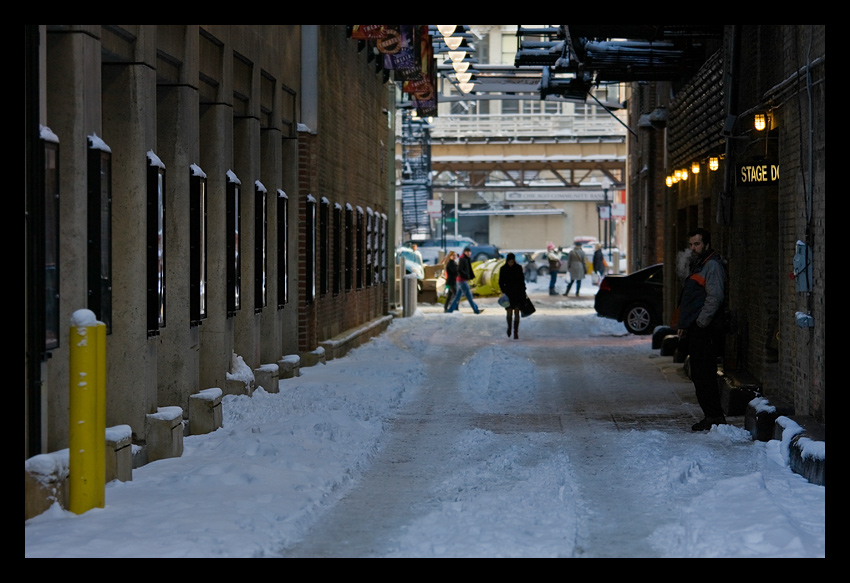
(445, 438)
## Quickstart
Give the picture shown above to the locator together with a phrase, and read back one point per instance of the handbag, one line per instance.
(527, 307)
(504, 301)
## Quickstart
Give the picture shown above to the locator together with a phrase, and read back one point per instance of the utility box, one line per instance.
(803, 267)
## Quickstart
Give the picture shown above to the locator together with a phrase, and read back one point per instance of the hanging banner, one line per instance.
(390, 43)
(405, 60)
(407, 50)
(425, 86)
(425, 100)
(367, 31)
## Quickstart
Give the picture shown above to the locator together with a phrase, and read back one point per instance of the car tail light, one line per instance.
(604, 285)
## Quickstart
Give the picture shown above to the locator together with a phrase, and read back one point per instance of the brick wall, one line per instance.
(758, 235)
(343, 161)
(801, 119)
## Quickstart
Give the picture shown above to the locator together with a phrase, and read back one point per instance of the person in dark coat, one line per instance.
(700, 305)
(599, 262)
(451, 279)
(512, 284)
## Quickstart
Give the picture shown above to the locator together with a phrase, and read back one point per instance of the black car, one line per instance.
(635, 299)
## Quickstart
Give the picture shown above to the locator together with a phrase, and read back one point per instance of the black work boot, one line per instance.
(705, 424)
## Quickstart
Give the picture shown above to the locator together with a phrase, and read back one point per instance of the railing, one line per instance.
(516, 125)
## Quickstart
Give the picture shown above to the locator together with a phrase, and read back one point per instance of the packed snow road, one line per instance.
(572, 441)
(444, 438)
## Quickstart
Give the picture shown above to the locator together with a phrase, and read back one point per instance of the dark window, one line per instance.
(349, 247)
(282, 248)
(99, 228)
(324, 238)
(370, 239)
(155, 244)
(50, 241)
(379, 241)
(310, 247)
(260, 241)
(338, 249)
(359, 248)
(197, 245)
(384, 251)
(234, 261)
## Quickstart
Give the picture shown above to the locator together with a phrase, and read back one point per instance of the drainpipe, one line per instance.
(724, 207)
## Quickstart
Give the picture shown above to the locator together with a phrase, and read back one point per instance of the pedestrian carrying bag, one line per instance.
(527, 307)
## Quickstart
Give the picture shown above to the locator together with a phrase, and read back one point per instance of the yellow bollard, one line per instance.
(86, 461)
(100, 429)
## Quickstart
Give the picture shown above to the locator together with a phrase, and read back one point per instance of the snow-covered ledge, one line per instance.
(164, 435)
(205, 411)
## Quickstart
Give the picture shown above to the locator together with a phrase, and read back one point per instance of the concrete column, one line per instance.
(73, 95)
(129, 129)
(216, 333)
(177, 146)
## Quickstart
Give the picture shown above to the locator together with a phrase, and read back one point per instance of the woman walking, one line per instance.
(451, 279)
(512, 284)
(577, 268)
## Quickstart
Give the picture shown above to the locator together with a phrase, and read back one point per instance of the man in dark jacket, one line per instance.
(465, 274)
(699, 305)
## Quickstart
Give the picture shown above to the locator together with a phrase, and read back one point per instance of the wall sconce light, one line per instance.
(713, 163)
(447, 30)
(695, 168)
(460, 66)
(463, 77)
(684, 174)
(669, 181)
(453, 42)
(677, 175)
(457, 56)
(760, 121)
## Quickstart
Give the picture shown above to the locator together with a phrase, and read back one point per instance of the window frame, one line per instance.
(282, 249)
(261, 228)
(197, 246)
(47, 250)
(324, 247)
(310, 250)
(156, 245)
(233, 257)
(99, 229)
